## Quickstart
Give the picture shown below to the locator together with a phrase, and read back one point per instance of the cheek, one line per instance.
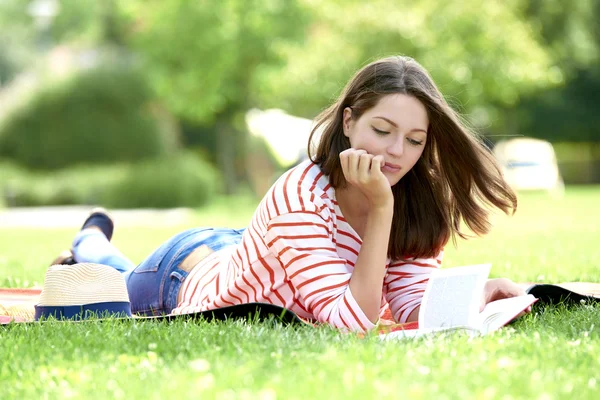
(362, 139)
(415, 154)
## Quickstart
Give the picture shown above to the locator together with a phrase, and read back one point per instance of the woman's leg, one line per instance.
(153, 285)
(92, 245)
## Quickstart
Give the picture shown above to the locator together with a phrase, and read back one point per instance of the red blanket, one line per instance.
(17, 305)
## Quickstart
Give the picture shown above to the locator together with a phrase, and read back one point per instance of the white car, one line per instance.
(529, 164)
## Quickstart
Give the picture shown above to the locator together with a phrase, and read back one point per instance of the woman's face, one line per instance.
(396, 128)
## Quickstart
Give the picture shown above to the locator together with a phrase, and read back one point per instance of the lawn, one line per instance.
(554, 354)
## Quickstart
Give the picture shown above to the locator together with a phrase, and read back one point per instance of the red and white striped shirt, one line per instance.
(299, 253)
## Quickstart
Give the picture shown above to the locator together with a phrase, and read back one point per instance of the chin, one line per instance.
(393, 182)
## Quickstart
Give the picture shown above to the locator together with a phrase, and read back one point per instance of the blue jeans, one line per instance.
(154, 284)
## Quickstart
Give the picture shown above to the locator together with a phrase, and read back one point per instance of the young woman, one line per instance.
(358, 227)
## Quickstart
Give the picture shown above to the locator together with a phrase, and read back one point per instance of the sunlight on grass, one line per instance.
(551, 354)
(555, 353)
(547, 239)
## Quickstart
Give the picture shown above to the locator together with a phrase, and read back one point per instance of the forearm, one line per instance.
(414, 315)
(366, 282)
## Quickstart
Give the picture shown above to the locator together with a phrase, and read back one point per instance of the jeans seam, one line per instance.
(169, 271)
(172, 262)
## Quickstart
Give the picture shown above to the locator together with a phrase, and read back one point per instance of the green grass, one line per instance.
(554, 354)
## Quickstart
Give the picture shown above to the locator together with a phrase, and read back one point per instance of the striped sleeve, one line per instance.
(405, 282)
(303, 244)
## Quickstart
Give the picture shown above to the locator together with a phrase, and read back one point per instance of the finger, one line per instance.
(354, 160)
(347, 152)
(513, 289)
(377, 163)
(344, 160)
(364, 166)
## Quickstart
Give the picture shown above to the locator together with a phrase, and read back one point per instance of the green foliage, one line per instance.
(571, 33)
(579, 163)
(74, 185)
(182, 180)
(16, 39)
(88, 21)
(570, 30)
(10, 60)
(567, 113)
(75, 21)
(209, 61)
(11, 174)
(201, 55)
(99, 115)
(480, 53)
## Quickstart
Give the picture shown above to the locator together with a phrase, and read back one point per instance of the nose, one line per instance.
(396, 148)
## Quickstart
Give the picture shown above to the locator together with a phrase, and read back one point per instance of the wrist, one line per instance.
(496, 289)
(380, 216)
(383, 207)
(490, 290)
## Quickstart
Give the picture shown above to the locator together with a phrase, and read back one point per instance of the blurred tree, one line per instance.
(508, 65)
(570, 29)
(90, 21)
(100, 115)
(568, 113)
(16, 39)
(482, 54)
(11, 59)
(202, 57)
(26, 30)
(572, 33)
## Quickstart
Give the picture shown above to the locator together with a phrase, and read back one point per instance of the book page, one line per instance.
(453, 297)
(500, 312)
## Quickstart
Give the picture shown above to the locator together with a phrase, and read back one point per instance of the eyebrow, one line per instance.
(395, 125)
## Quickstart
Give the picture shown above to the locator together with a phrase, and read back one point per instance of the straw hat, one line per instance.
(81, 291)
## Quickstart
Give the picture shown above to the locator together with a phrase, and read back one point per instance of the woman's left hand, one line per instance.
(501, 288)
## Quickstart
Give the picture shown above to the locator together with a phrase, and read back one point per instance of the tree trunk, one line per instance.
(226, 154)
(512, 123)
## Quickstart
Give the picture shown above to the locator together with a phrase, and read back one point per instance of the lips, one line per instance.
(389, 167)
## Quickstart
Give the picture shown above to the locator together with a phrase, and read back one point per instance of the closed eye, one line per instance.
(379, 131)
(414, 142)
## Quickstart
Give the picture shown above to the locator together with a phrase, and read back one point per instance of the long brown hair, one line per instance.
(456, 179)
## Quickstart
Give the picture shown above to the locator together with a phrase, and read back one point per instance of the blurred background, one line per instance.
(169, 103)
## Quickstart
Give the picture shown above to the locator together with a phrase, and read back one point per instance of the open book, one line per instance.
(452, 301)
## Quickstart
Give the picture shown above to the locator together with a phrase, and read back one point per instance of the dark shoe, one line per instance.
(64, 258)
(100, 218)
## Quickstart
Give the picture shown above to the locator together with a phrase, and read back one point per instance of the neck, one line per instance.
(354, 206)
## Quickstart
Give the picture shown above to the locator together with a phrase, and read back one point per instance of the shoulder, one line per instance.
(304, 188)
(419, 263)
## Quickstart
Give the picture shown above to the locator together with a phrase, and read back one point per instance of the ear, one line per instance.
(347, 121)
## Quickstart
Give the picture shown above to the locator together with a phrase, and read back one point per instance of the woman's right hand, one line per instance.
(363, 170)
